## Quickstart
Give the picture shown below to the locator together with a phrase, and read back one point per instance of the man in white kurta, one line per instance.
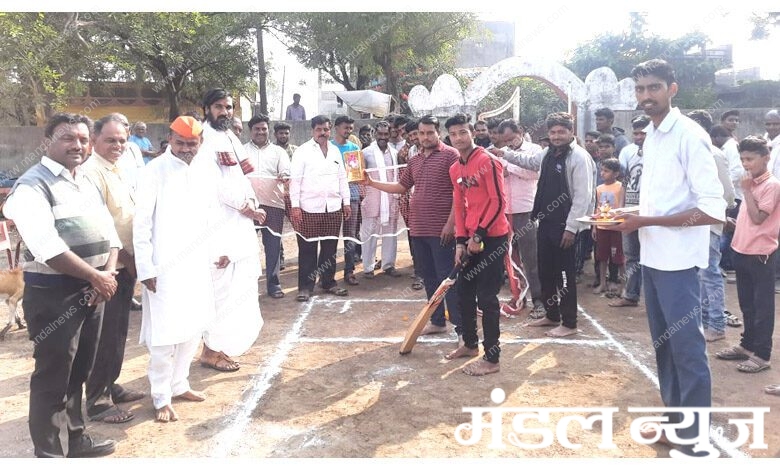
(380, 209)
(234, 247)
(172, 259)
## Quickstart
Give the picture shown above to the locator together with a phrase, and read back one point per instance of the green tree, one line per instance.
(183, 54)
(537, 99)
(764, 24)
(758, 94)
(356, 48)
(42, 59)
(622, 51)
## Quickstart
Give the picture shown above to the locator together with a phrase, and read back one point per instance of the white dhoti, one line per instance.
(169, 370)
(374, 226)
(238, 320)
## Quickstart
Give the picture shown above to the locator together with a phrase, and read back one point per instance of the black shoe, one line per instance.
(86, 447)
(135, 305)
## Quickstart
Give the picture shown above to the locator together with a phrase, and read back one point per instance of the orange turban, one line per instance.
(187, 127)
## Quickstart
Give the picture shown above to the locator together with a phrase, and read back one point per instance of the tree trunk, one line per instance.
(38, 103)
(361, 83)
(391, 78)
(173, 100)
(261, 72)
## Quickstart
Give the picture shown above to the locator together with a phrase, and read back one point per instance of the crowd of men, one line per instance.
(96, 218)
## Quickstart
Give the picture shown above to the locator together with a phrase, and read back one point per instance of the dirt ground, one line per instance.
(324, 379)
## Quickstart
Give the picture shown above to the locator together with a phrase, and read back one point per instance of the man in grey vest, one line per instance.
(69, 269)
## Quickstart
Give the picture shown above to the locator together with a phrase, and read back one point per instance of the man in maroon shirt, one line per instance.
(431, 226)
(481, 229)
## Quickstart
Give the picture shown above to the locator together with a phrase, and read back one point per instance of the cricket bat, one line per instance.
(425, 314)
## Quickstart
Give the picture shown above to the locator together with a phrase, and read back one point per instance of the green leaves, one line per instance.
(357, 48)
(622, 51)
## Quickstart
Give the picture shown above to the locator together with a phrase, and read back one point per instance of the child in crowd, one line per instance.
(755, 249)
(609, 244)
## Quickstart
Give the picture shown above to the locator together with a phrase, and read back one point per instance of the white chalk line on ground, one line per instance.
(227, 439)
(719, 440)
(399, 339)
(329, 301)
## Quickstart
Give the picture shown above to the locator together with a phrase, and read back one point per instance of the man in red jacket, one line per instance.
(481, 230)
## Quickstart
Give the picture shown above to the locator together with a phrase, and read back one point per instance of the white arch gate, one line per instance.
(601, 88)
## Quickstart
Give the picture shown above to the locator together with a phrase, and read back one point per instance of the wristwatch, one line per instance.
(477, 239)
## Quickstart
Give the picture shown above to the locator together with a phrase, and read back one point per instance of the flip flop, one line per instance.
(129, 396)
(113, 415)
(622, 302)
(752, 365)
(732, 320)
(772, 390)
(336, 290)
(302, 297)
(352, 280)
(392, 272)
(276, 295)
(734, 353)
(648, 432)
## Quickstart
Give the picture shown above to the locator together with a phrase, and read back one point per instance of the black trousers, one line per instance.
(272, 245)
(311, 264)
(101, 390)
(756, 293)
(478, 284)
(65, 333)
(557, 274)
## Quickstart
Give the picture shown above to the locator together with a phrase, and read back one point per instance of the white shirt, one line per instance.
(33, 215)
(271, 162)
(679, 174)
(171, 241)
(318, 183)
(379, 203)
(631, 173)
(731, 149)
(725, 180)
(520, 184)
(130, 163)
(398, 145)
(774, 161)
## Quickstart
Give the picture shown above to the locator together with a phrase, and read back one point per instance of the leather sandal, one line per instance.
(753, 364)
(622, 302)
(734, 353)
(336, 290)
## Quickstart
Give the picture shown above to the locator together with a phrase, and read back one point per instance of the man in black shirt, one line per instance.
(565, 193)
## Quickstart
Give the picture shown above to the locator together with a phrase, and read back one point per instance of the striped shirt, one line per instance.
(432, 198)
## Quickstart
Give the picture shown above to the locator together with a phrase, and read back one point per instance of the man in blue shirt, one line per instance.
(344, 126)
(139, 138)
